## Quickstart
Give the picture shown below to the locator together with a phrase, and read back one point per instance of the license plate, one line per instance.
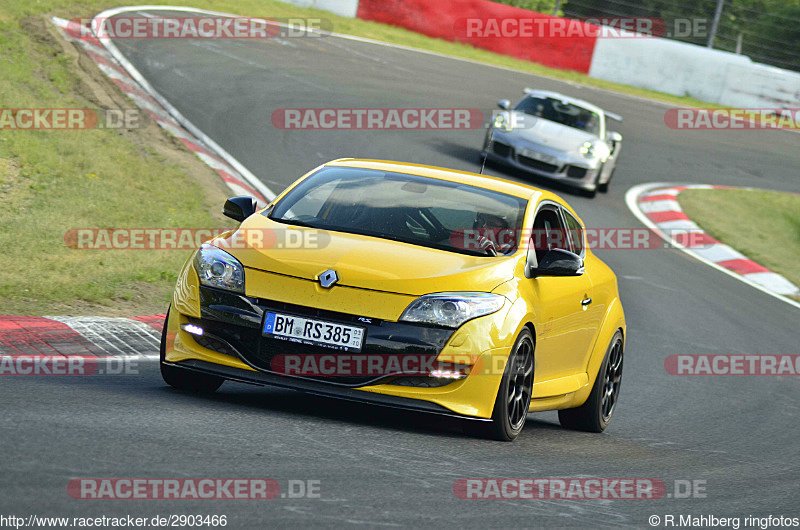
(539, 156)
(313, 332)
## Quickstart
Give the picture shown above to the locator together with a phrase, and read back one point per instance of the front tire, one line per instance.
(182, 379)
(514, 395)
(591, 193)
(595, 414)
(603, 188)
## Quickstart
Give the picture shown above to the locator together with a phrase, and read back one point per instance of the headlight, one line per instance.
(451, 309)
(588, 150)
(217, 268)
(503, 122)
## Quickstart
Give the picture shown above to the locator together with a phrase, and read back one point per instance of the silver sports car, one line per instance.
(558, 137)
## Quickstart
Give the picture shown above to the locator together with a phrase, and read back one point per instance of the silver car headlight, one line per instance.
(451, 309)
(588, 150)
(503, 123)
(217, 268)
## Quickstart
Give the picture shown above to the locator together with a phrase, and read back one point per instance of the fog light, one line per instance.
(447, 374)
(191, 328)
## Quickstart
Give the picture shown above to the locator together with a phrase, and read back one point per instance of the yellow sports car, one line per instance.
(407, 286)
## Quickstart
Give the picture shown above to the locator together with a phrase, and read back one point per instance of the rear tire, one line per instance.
(513, 397)
(595, 414)
(182, 379)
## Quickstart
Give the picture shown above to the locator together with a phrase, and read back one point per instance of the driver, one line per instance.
(492, 233)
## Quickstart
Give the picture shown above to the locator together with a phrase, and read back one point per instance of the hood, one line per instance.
(362, 261)
(555, 136)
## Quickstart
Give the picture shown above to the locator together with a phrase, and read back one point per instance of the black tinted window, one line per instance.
(418, 210)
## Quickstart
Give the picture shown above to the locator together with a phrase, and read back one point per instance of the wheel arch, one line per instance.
(613, 321)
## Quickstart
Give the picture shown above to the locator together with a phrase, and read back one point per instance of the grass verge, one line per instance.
(762, 225)
(52, 181)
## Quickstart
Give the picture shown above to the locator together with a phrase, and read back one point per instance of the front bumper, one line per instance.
(507, 150)
(251, 377)
(233, 347)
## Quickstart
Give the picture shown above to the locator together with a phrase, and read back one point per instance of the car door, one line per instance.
(564, 328)
(593, 307)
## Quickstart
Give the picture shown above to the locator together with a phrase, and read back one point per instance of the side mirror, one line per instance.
(504, 104)
(614, 136)
(240, 208)
(558, 262)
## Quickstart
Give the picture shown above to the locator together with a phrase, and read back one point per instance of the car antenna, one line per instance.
(488, 144)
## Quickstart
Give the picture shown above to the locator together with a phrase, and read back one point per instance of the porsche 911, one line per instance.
(558, 137)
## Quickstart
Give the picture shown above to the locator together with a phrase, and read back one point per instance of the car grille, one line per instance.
(230, 334)
(269, 349)
(421, 382)
(576, 172)
(537, 164)
(502, 149)
(220, 337)
(214, 344)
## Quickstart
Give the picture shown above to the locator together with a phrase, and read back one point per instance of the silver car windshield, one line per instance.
(422, 211)
(561, 112)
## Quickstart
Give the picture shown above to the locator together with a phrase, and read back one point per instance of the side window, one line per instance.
(575, 232)
(547, 232)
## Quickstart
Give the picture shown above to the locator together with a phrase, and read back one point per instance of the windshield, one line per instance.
(561, 112)
(422, 211)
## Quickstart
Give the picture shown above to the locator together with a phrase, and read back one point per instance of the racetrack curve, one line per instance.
(380, 467)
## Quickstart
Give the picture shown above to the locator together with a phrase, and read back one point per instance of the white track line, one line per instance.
(631, 200)
(103, 331)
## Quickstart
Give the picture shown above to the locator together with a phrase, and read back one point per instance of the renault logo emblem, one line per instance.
(328, 278)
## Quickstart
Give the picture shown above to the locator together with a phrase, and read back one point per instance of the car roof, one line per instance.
(451, 175)
(562, 97)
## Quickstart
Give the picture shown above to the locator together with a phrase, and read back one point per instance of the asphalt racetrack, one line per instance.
(380, 467)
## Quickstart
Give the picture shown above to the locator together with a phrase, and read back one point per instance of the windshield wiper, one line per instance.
(294, 222)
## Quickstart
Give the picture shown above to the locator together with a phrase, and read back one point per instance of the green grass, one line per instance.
(51, 181)
(762, 225)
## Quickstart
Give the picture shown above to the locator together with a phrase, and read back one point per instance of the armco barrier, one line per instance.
(686, 69)
(441, 19)
(759, 85)
(665, 65)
